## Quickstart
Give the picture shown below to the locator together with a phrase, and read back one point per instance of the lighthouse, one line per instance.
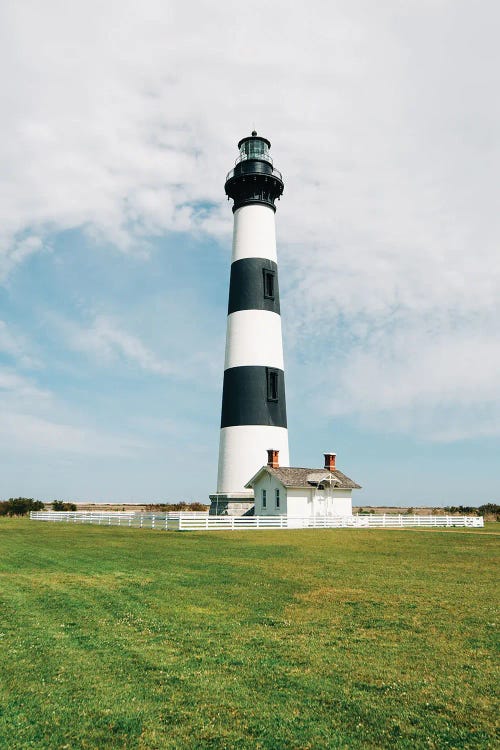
(253, 418)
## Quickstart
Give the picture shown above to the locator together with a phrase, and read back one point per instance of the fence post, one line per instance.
(153, 521)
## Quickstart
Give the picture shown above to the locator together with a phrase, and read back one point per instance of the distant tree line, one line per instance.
(19, 506)
(165, 507)
(488, 509)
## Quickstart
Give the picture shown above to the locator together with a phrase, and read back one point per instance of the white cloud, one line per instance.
(120, 118)
(106, 341)
(17, 252)
(15, 387)
(14, 345)
(34, 420)
(440, 384)
(30, 432)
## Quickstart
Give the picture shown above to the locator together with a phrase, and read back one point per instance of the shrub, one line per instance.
(198, 506)
(464, 510)
(19, 506)
(165, 507)
(490, 510)
(60, 505)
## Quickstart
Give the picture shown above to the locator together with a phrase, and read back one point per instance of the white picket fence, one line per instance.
(214, 523)
(164, 521)
(193, 521)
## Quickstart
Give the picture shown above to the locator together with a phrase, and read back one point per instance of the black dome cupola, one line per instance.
(254, 180)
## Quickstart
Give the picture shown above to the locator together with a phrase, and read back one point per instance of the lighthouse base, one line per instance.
(232, 504)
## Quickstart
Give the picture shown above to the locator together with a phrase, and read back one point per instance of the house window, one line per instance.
(264, 499)
(268, 283)
(277, 498)
(272, 384)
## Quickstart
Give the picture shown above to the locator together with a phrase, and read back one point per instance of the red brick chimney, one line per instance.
(330, 461)
(272, 458)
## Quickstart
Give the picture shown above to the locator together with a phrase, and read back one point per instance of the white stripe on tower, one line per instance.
(254, 232)
(253, 402)
(254, 338)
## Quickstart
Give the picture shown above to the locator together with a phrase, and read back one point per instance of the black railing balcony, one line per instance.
(274, 172)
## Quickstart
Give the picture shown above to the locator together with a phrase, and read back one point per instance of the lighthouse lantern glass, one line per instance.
(255, 148)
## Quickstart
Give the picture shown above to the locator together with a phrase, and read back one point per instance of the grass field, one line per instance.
(127, 638)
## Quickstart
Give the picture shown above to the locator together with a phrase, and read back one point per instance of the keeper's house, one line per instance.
(301, 492)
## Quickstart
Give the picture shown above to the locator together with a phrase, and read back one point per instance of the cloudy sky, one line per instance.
(119, 121)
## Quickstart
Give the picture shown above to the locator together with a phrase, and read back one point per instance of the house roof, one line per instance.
(292, 476)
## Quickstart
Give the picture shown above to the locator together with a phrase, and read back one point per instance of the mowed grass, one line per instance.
(130, 638)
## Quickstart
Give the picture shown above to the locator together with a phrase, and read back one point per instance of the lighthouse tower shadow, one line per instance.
(253, 416)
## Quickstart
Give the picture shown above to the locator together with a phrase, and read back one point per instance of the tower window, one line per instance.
(268, 283)
(277, 498)
(264, 499)
(272, 384)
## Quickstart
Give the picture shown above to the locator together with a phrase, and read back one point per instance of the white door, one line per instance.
(320, 503)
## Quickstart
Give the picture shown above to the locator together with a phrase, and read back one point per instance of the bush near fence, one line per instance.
(182, 506)
(19, 506)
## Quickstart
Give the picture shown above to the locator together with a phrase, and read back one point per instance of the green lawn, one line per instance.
(130, 638)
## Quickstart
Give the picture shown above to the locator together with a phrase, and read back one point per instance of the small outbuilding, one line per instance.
(301, 492)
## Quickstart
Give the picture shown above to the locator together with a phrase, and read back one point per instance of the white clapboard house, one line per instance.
(301, 492)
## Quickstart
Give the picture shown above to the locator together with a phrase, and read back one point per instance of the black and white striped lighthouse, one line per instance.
(253, 399)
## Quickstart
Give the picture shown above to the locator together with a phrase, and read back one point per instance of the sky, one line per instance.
(119, 123)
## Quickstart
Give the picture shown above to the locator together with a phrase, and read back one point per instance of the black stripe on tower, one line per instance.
(253, 395)
(254, 285)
